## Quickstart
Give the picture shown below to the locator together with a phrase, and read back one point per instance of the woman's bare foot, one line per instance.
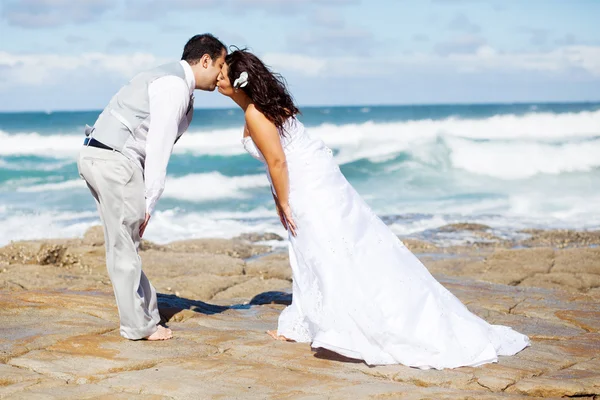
(282, 338)
(161, 333)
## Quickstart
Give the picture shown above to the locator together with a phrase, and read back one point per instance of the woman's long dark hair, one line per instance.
(266, 88)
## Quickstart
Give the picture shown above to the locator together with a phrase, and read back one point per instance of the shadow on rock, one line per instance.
(325, 354)
(169, 304)
(272, 297)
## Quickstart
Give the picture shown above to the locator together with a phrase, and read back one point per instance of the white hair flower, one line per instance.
(242, 81)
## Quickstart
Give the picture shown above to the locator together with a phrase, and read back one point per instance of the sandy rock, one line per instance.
(146, 245)
(556, 280)
(577, 260)
(21, 314)
(568, 382)
(14, 380)
(420, 246)
(594, 292)
(31, 277)
(251, 288)
(561, 238)
(200, 287)
(20, 252)
(167, 263)
(221, 351)
(259, 237)
(66, 391)
(50, 252)
(94, 236)
(230, 247)
(573, 269)
(59, 325)
(510, 267)
(464, 226)
(276, 265)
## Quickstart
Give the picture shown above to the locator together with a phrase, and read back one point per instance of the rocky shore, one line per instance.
(59, 324)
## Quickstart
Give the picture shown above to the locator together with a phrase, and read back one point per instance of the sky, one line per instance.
(74, 55)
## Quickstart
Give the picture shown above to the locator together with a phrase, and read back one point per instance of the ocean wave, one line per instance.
(46, 187)
(32, 143)
(502, 146)
(212, 186)
(192, 187)
(506, 160)
(216, 142)
(170, 225)
(509, 160)
(175, 224)
(44, 224)
(165, 226)
(380, 142)
(539, 126)
(33, 164)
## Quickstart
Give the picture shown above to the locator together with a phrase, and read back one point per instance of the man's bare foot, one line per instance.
(161, 333)
(282, 338)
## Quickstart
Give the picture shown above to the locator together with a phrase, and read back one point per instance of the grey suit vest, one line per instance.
(128, 112)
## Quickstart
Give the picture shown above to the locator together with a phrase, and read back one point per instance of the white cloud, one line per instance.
(537, 36)
(124, 44)
(299, 63)
(75, 39)
(42, 69)
(328, 18)
(39, 14)
(51, 69)
(153, 9)
(562, 60)
(420, 37)
(567, 40)
(462, 23)
(461, 44)
(287, 3)
(36, 14)
(48, 81)
(333, 41)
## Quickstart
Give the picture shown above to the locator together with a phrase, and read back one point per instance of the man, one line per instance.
(124, 162)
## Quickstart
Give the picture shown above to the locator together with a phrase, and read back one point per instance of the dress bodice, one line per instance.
(291, 136)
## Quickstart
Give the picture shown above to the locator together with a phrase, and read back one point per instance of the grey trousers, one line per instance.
(117, 185)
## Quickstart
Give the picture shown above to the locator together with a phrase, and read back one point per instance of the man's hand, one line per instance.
(144, 225)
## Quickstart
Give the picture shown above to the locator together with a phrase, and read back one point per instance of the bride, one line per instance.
(357, 290)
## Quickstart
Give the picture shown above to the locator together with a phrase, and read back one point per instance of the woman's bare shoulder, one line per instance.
(255, 117)
(253, 113)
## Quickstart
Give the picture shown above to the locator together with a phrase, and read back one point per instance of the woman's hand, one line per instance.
(281, 216)
(286, 211)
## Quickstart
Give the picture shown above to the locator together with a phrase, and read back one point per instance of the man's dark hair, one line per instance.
(200, 45)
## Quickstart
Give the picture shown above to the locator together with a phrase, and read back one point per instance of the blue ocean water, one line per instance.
(509, 166)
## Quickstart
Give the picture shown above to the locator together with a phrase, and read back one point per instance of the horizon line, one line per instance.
(343, 106)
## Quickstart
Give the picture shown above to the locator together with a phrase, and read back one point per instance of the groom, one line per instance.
(124, 162)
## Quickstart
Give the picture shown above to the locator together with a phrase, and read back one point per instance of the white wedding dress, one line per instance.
(357, 290)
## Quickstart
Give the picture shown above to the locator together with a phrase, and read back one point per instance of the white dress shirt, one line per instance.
(169, 99)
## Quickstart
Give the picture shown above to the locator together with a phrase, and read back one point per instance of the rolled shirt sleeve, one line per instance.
(169, 98)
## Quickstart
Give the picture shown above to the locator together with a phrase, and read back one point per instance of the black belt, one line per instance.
(94, 143)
